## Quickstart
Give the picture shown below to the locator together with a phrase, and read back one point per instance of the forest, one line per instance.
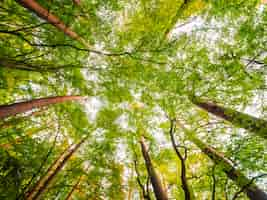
(133, 100)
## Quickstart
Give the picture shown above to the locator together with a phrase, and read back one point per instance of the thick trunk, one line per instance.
(183, 166)
(242, 120)
(251, 189)
(158, 189)
(16, 108)
(43, 13)
(41, 186)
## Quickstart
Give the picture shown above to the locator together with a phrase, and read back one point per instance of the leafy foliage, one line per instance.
(143, 63)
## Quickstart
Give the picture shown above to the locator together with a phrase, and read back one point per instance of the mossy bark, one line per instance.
(252, 191)
(239, 119)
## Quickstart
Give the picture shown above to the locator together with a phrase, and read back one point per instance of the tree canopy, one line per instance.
(133, 99)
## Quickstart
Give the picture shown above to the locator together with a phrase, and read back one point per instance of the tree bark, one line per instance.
(43, 13)
(182, 159)
(158, 189)
(16, 108)
(252, 191)
(41, 185)
(242, 120)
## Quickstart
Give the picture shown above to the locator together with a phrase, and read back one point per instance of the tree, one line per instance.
(246, 185)
(138, 63)
(16, 108)
(253, 124)
(33, 6)
(52, 171)
(159, 191)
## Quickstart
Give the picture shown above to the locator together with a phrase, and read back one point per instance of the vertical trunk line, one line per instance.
(41, 186)
(252, 191)
(159, 191)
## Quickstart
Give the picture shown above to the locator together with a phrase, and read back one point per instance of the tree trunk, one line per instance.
(43, 13)
(182, 159)
(16, 108)
(247, 186)
(41, 185)
(242, 120)
(159, 191)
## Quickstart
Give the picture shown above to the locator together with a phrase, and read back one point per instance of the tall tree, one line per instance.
(158, 189)
(219, 52)
(43, 13)
(252, 190)
(42, 184)
(16, 108)
(246, 121)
